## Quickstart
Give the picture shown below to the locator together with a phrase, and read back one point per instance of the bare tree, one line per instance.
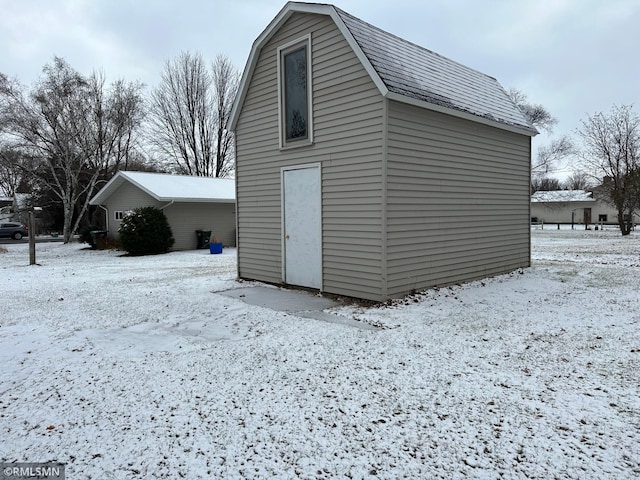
(537, 114)
(188, 113)
(115, 119)
(578, 180)
(11, 173)
(549, 155)
(546, 184)
(612, 151)
(77, 130)
(225, 86)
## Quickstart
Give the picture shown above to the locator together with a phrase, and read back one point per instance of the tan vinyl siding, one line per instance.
(347, 120)
(186, 218)
(457, 200)
(126, 198)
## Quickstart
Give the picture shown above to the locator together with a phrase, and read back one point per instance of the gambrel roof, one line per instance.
(405, 72)
(165, 187)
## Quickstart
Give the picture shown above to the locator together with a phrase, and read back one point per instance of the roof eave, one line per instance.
(323, 9)
(531, 132)
(106, 191)
(289, 9)
(196, 200)
(142, 187)
(247, 73)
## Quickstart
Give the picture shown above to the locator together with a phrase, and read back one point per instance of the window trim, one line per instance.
(118, 217)
(282, 134)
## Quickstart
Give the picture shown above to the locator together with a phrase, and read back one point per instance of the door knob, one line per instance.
(286, 237)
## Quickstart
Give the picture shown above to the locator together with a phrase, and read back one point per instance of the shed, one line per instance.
(190, 204)
(370, 167)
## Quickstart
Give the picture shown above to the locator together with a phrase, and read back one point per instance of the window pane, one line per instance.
(295, 94)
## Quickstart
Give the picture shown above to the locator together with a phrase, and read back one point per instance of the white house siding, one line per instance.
(347, 119)
(127, 197)
(560, 212)
(457, 200)
(187, 217)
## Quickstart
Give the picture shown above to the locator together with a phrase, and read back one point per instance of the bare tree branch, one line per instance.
(537, 114)
(546, 184)
(75, 128)
(549, 155)
(612, 152)
(578, 180)
(189, 110)
(225, 84)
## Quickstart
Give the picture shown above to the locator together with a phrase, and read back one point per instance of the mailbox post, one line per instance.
(32, 238)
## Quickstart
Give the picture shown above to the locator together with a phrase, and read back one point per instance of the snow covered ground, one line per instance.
(125, 367)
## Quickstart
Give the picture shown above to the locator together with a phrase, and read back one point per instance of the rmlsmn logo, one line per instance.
(44, 471)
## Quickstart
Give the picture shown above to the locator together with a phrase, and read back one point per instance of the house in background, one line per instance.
(572, 207)
(368, 166)
(14, 209)
(5, 209)
(189, 203)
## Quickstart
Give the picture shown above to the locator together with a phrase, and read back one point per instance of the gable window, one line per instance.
(294, 72)
(118, 214)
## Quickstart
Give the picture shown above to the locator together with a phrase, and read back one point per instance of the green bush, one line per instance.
(145, 231)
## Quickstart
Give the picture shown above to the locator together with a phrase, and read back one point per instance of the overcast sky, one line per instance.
(573, 56)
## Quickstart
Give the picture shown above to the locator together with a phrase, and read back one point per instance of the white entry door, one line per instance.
(302, 226)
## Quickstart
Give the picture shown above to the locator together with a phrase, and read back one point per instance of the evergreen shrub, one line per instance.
(146, 231)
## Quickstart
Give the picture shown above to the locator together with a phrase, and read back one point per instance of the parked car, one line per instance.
(13, 230)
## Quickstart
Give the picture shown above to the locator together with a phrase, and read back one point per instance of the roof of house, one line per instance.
(406, 72)
(165, 187)
(563, 196)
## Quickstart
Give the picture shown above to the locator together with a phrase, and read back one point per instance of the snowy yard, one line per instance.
(126, 367)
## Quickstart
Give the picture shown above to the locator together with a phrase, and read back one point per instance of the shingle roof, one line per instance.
(412, 71)
(166, 187)
(405, 72)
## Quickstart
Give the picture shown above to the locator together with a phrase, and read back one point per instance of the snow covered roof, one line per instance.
(165, 187)
(406, 72)
(563, 196)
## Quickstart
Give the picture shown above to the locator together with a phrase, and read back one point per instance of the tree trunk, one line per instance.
(625, 227)
(67, 230)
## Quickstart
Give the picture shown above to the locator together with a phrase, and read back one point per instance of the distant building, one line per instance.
(572, 206)
(5, 209)
(189, 203)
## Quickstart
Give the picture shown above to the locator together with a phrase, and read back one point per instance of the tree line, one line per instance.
(63, 137)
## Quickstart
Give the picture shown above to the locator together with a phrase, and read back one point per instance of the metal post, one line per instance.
(32, 238)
